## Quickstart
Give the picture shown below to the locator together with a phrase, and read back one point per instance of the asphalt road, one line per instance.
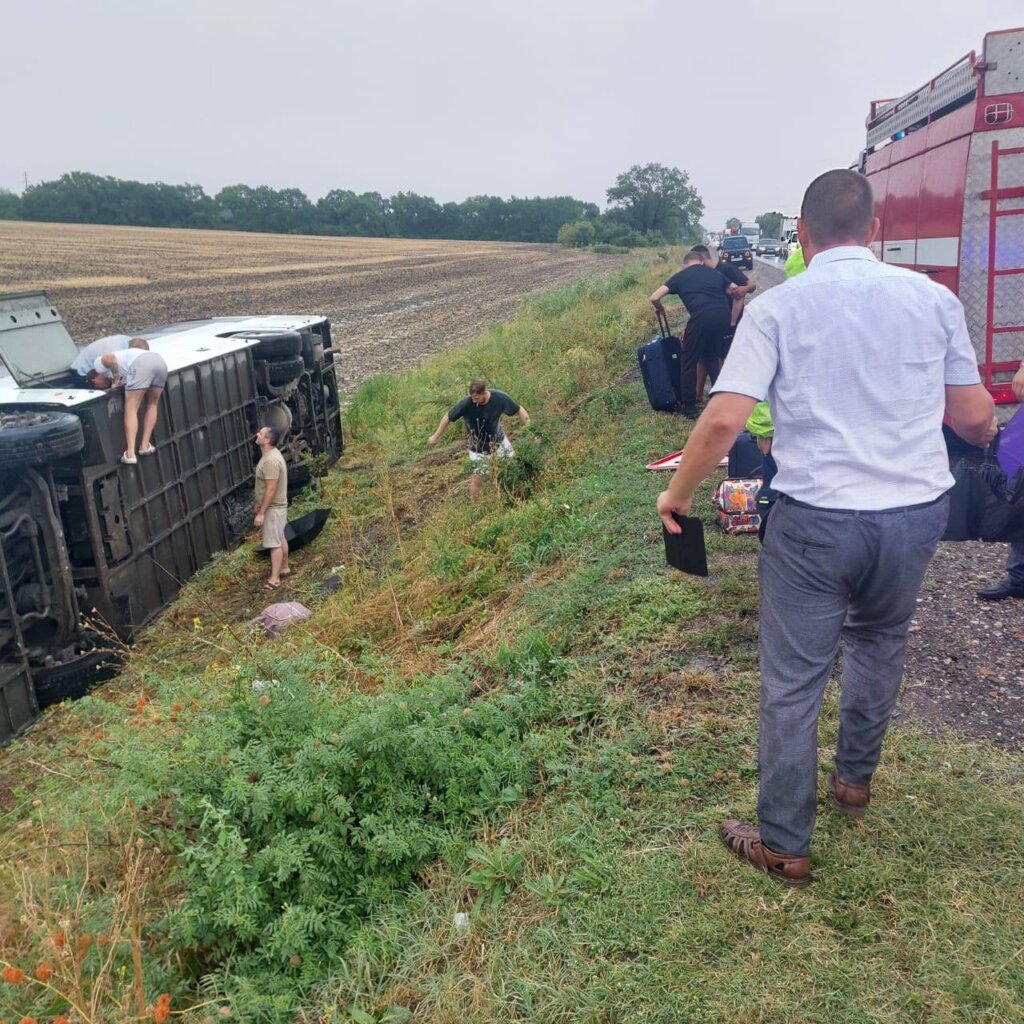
(768, 271)
(771, 261)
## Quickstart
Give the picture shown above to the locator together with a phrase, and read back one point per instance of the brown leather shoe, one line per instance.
(848, 797)
(745, 841)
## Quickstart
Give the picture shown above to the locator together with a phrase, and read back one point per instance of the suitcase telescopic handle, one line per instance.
(663, 323)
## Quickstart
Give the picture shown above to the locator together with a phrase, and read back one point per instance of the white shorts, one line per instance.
(147, 370)
(482, 461)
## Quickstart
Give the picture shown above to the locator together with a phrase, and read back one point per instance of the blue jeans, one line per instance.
(1015, 563)
(827, 575)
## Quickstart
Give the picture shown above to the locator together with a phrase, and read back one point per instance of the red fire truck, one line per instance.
(946, 163)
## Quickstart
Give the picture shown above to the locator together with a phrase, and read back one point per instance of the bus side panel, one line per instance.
(164, 518)
(1008, 290)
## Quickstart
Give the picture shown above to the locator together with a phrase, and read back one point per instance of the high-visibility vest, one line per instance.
(795, 263)
(760, 422)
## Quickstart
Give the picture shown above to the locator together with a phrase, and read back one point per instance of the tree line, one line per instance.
(646, 205)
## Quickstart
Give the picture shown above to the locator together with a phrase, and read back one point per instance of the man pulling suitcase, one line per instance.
(707, 296)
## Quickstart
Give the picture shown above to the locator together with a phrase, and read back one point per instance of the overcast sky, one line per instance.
(452, 98)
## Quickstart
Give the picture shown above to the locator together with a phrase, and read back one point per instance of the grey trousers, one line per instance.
(826, 575)
(1015, 562)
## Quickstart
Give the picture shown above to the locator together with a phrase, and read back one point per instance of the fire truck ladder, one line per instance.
(1000, 391)
(949, 89)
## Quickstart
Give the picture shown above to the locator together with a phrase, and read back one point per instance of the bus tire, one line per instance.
(29, 438)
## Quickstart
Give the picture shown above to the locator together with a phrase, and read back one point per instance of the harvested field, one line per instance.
(392, 302)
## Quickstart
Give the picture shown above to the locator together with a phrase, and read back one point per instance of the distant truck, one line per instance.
(787, 234)
(752, 233)
(87, 541)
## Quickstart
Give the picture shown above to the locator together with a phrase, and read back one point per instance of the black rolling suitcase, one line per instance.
(660, 361)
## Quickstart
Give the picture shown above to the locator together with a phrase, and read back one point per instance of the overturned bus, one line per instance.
(88, 540)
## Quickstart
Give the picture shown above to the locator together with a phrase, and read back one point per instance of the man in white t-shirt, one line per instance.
(859, 361)
(84, 363)
(143, 375)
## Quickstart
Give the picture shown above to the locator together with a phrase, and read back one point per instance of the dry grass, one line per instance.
(85, 902)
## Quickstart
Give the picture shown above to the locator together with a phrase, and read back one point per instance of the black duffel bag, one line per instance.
(983, 504)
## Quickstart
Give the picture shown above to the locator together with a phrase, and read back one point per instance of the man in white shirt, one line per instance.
(84, 362)
(859, 361)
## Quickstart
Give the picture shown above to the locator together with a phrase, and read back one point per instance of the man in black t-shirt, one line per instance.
(482, 410)
(736, 276)
(706, 294)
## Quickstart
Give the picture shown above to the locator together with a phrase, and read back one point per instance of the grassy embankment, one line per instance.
(509, 710)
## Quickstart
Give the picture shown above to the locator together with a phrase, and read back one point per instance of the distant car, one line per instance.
(768, 247)
(736, 249)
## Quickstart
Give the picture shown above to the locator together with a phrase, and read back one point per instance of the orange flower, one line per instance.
(140, 705)
(58, 939)
(44, 972)
(163, 1009)
(178, 707)
(102, 940)
(28, 1020)
(14, 975)
(62, 1020)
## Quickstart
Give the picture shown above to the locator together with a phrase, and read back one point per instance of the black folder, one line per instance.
(685, 551)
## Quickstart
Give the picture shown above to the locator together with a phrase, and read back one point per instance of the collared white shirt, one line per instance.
(87, 357)
(854, 356)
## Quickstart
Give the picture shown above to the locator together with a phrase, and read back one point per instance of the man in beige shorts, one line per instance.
(272, 503)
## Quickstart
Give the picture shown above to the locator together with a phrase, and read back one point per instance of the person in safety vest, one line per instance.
(795, 262)
(760, 422)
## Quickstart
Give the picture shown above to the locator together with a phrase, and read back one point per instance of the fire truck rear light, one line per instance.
(998, 113)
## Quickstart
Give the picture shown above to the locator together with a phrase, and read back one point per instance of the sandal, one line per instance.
(745, 841)
(148, 450)
(129, 460)
(271, 586)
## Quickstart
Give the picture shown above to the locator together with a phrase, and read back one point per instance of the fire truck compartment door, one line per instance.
(1004, 55)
